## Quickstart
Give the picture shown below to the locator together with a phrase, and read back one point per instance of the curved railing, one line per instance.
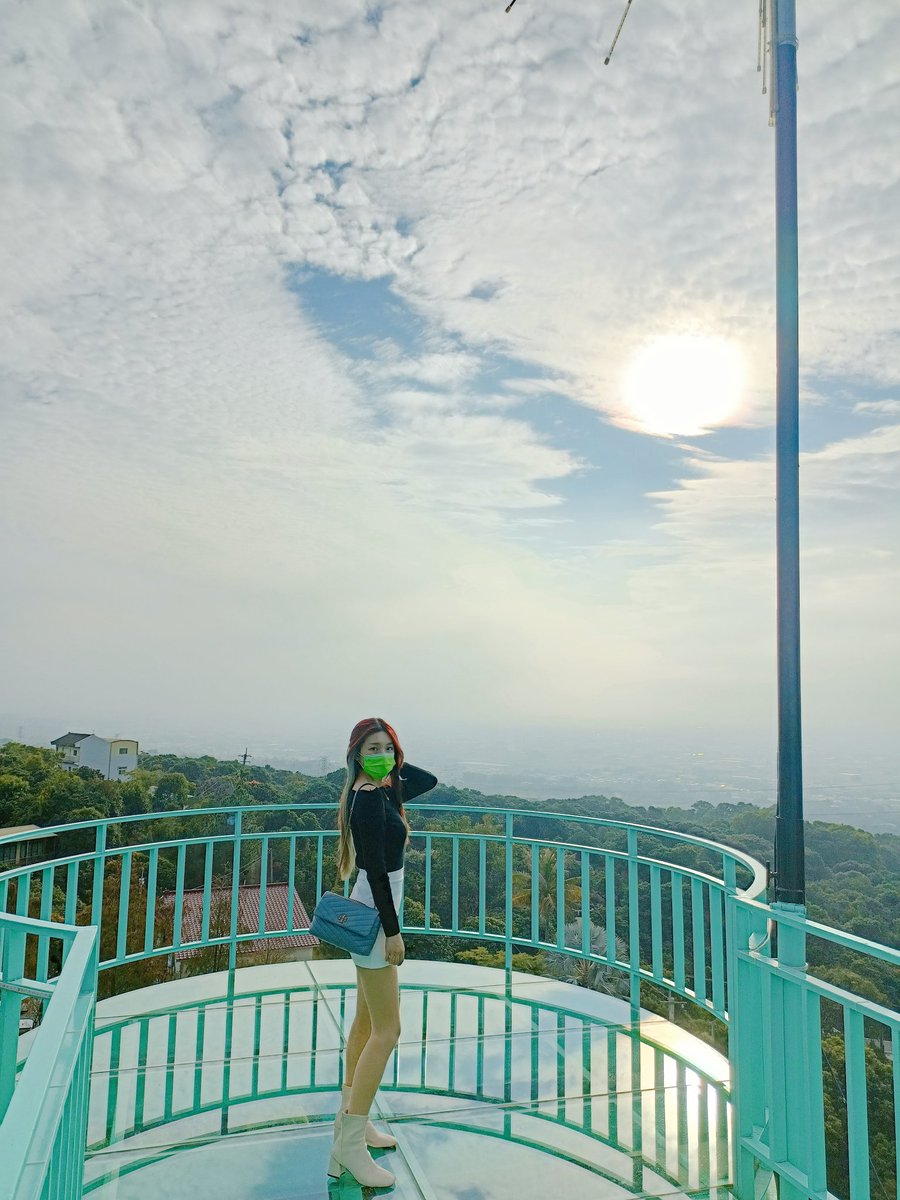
(475, 1046)
(682, 947)
(701, 930)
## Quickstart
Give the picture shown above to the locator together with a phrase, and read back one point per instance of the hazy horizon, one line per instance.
(844, 780)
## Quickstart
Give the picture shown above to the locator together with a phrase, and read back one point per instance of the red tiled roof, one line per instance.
(248, 917)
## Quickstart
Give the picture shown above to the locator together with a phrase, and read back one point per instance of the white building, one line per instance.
(114, 757)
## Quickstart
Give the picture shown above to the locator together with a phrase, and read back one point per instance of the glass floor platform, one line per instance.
(225, 1087)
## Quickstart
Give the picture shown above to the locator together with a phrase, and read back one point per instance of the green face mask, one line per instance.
(378, 765)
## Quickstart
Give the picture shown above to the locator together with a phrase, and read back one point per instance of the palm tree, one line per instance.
(599, 977)
(545, 881)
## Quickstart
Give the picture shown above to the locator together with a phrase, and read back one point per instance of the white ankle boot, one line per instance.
(349, 1150)
(374, 1137)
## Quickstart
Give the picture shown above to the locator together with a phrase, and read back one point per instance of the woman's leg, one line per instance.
(360, 1029)
(382, 995)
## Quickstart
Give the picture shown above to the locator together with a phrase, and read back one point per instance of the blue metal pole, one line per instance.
(789, 865)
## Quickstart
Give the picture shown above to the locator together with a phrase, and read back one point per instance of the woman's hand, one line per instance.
(394, 949)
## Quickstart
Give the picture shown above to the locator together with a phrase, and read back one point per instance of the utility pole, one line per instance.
(790, 886)
(242, 769)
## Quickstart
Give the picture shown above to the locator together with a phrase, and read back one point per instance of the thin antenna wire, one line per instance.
(618, 31)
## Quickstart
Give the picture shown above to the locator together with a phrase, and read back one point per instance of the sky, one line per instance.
(328, 376)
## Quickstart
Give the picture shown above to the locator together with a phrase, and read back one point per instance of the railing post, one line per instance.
(229, 1044)
(507, 961)
(99, 871)
(83, 1097)
(634, 927)
(12, 966)
(235, 888)
(790, 1055)
(747, 1046)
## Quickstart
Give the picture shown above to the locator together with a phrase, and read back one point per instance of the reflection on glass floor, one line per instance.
(227, 1087)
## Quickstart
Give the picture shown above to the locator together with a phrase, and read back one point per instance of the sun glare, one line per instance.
(684, 384)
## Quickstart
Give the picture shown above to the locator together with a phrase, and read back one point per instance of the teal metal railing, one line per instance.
(43, 1111)
(591, 1085)
(702, 930)
(776, 1054)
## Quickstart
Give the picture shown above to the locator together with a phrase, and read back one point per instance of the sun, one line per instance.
(684, 384)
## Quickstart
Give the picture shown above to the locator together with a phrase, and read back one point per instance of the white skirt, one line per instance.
(363, 893)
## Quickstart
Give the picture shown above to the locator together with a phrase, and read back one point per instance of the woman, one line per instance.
(378, 780)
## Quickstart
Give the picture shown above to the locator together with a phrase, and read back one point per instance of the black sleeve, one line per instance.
(416, 781)
(368, 826)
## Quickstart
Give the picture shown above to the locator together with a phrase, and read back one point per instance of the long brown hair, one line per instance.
(362, 731)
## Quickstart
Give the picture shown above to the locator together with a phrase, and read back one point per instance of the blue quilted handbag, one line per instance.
(346, 923)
